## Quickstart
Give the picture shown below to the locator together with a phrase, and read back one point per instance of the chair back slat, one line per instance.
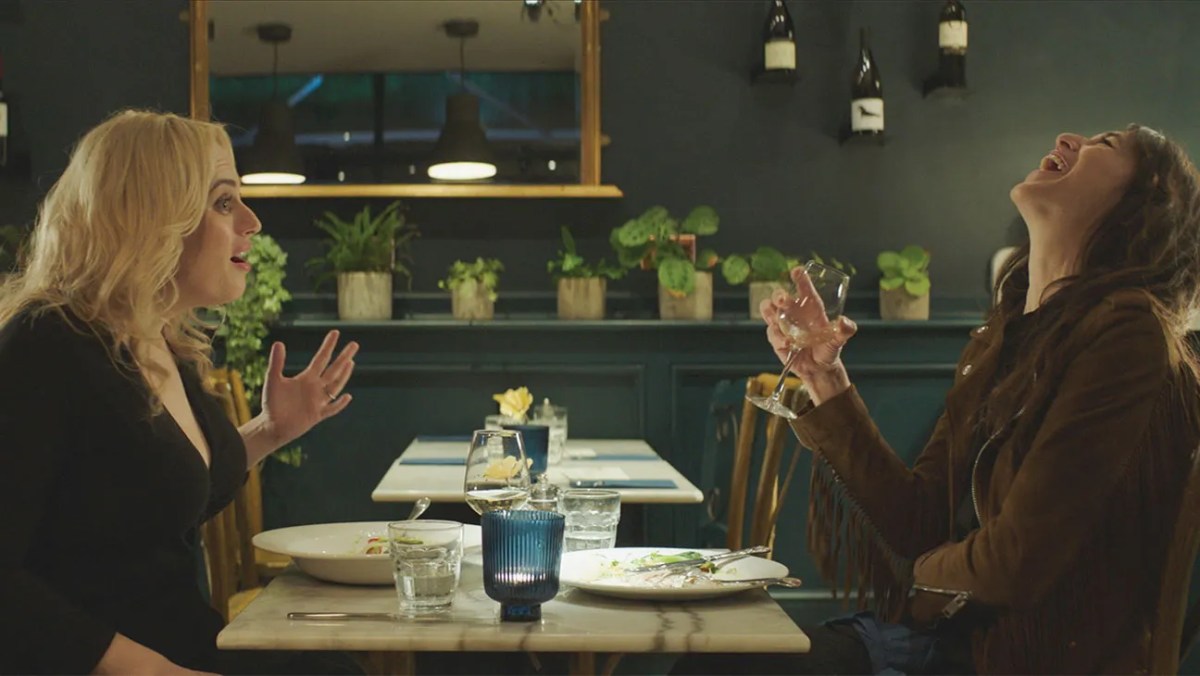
(1175, 627)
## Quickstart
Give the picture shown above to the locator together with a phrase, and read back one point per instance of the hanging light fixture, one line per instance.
(462, 152)
(273, 158)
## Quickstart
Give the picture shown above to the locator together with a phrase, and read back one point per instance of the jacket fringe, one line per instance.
(836, 524)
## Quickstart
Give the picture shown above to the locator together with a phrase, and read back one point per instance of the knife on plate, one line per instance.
(717, 559)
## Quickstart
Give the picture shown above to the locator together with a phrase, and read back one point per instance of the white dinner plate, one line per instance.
(600, 571)
(333, 551)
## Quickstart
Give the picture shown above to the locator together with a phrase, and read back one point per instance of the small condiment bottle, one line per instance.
(543, 495)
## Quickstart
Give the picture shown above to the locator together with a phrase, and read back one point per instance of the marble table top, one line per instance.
(628, 458)
(575, 621)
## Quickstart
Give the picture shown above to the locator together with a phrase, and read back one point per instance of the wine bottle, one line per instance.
(779, 40)
(3, 120)
(952, 45)
(866, 93)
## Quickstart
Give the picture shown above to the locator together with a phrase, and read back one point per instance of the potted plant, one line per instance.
(904, 287)
(765, 270)
(657, 241)
(364, 254)
(247, 322)
(472, 287)
(581, 286)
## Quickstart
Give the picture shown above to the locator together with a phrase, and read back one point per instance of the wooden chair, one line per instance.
(769, 490)
(237, 569)
(1175, 625)
(735, 431)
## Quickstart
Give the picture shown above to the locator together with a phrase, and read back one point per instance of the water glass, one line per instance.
(592, 515)
(554, 417)
(522, 552)
(496, 422)
(426, 563)
(536, 440)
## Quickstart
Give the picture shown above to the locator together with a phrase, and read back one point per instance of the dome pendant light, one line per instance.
(274, 157)
(462, 152)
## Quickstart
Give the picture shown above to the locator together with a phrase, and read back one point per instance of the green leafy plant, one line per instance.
(12, 239)
(907, 269)
(657, 240)
(247, 319)
(570, 264)
(247, 322)
(485, 271)
(766, 264)
(365, 243)
(847, 268)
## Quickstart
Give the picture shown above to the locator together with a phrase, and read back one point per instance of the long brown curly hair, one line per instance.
(1150, 242)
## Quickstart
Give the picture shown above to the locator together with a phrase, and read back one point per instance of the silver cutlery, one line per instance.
(418, 508)
(715, 559)
(341, 616)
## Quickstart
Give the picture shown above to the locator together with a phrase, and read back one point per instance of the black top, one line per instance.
(99, 505)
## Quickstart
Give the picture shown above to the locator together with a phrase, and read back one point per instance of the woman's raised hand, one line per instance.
(819, 365)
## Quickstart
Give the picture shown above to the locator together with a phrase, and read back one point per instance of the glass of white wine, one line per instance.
(810, 317)
(497, 471)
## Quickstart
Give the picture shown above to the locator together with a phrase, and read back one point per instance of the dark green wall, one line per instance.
(687, 127)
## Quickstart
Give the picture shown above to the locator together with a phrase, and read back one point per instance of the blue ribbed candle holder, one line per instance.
(522, 551)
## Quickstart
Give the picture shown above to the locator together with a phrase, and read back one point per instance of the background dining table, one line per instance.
(433, 467)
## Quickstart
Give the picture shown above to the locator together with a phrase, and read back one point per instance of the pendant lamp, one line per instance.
(462, 152)
(274, 158)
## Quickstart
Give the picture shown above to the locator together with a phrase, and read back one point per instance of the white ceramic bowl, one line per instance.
(332, 551)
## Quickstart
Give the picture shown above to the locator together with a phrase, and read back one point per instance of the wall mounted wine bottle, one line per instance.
(952, 45)
(779, 40)
(3, 120)
(866, 93)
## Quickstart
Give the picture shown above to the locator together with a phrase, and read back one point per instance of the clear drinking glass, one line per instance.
(497, 475)
(592, 515)
(554, 417)
(808, 318)
(426, 563)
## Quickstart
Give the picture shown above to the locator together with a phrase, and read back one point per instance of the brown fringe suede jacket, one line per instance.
(1062, 574)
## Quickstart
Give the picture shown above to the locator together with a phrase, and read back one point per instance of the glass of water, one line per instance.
(554, 417)
(427, 561)
(592, 515)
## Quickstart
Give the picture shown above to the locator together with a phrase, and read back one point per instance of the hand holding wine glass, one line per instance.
(497, 474)
(807, 331)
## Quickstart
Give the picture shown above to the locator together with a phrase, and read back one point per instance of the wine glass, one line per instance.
(497, 471)
(807, 319)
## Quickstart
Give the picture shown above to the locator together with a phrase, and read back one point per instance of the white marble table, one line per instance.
(575, 622)
(633, 458)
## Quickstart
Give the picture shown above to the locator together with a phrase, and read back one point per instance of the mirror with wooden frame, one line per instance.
(369, 98)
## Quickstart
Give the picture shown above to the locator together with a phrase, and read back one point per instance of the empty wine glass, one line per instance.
(807, 319)
(497, 471)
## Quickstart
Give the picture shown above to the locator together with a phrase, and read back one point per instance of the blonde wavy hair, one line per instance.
(109, 235)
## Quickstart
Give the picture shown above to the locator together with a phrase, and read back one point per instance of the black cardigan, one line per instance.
(99, 505)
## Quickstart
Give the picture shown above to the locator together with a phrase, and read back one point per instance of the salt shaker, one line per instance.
(543, 495)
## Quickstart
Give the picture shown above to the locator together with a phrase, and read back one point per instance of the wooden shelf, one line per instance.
(431, 190)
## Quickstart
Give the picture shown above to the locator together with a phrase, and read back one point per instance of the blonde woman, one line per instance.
(111, 451)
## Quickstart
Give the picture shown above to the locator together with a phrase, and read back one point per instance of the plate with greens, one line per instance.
(608, 572)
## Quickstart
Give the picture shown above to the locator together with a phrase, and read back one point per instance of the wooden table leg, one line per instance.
(385, 663)
(582, 664)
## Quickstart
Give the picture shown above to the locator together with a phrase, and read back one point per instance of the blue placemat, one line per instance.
(432, 461)
(642, 457)
(623, 483)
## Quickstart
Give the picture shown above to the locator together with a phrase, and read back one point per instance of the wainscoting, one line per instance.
(620, 378)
